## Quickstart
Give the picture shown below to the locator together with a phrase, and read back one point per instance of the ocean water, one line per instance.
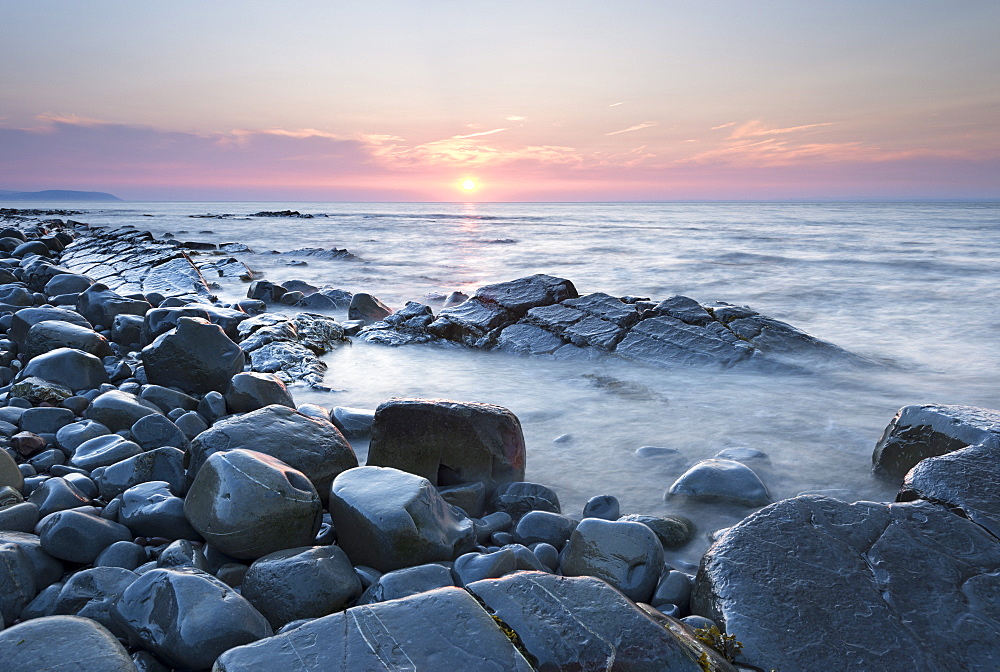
(912, 286)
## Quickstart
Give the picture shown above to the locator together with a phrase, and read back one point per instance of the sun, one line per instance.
(469, 185)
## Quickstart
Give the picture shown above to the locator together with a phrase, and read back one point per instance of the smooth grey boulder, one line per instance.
(24, 319)
(37, 390)
(474, 566)
(67, 283)
(119, 410)
(159, 321)
(520, 497)
(196, 357)
(167, 399)
(252, 391)
(68, 367)
(544, 527)
(57, 494)
(448, 442)
(151, 510)
(408, 581)
(627, 555)
(582, 624)
(444, 629)
(15, 295)
(101, 305)
(919, 432)
(674, 588)
(721, 481)
(249, 504)
(60, 643)
(191, 424)
(888, 577)
(470, 497)
(78, 537)
(44, 603)
(301, 583)
(124, 554)
(19, 517)
(311, 445)
(51, 334)
(605, 507)
(159, 464)
(104, 451)
(389, 519)
(47, 569)
(182, 553)
(352, 421)
(17, 582)
(10, 475)
(964, 481)
(45, 420)
(92, 593)
(368, 308)
(157, 431)
(674, 532)
(187, 618)
(71, 436)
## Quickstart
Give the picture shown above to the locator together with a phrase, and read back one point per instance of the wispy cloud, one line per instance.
(731, 123)
(754, 129)
(616, 104)
(515, 117)
(637, 127)
(72, 119)
(479, 134)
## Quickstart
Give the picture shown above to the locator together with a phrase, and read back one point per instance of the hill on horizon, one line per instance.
(56, 195)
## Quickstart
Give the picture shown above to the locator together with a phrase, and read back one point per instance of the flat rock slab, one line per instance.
(581, 624)
(444, 629)
(813, 583)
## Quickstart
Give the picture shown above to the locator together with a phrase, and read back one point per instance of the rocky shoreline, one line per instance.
(166, 505)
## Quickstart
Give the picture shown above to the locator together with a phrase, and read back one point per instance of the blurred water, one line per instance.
(911, 285)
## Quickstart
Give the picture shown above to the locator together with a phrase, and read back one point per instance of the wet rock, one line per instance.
(544, 527)
(448, 442)
(674, 588)
(290, 361)
(167, 399)
(896, 573)
(91, 593)
(19, 517)
(251, 391)
(67, 283)
(71, 436)
(674, 532)
(581, 624)
(470, 497)
(10, 475)
(191, 424)
(78, 537)
(100, 305)
(368, 308)
(352, 421)
(156, 431)
(685, 309)
(182, 553)
(196, 357)
(605, 507)
(63, 643)
(919, 432)
(104, 451)
(721, 481)
(444, 629)
(119, 410)
(528, 339)
(473, 567)
(46, 569)
(15, 296)
(313, 446)
(27, 444)
(405, 582)
(666, 341)
(124, 554)
(520, 497)
(126, 330)
(17, 582)
(38, 390)
(161, 464)
(151, 510)
(301, 583)
(627, 555)
(45, 420)
(212, 407)
(248, 504)
(69, 368)
(188, 618)
(52, 334)
(389, 519)
(161, 320)
(57, 494)
(23, 320)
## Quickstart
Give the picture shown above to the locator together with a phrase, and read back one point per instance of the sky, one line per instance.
(540, 100)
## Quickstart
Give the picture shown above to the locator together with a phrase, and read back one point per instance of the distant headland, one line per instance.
(56, 195)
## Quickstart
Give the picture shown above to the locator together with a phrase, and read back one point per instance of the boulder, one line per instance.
(45, 568)
(70, 437)
(57, 494)
(38, 390)
(449, 442)
(389, 519)
(627, 555)
(10, 475)
(520, 497)
(919, 432)
(408, 581)
(17, 582)
(151, 510)
(527, 339)
(248, 504)
(721, 481)
(101, 305)
(187, 618)
(368, 308)
(813, 583)
(478, 566)
(251, 391)
(443, 629)
(63, 643)
(157, 431)
(104, 451)
(352, 421)
(159, 321)
(67, 283)
(196, 357)
(544, 527)
(674, 532)
(581, 624)
(69, 368)
(45, 420)
(78, 537)
(667, 341)
(19, 517)
(92, 593)
(51, 334)
(119, 410)
(24, 319)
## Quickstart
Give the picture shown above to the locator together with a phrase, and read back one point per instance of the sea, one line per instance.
(912, 287)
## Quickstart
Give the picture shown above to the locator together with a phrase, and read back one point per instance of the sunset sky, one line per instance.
(532, 100)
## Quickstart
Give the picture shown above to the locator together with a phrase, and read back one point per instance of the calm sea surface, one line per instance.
(913, 286)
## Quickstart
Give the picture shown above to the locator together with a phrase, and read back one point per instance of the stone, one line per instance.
(248, 504)
(895, 573)
(674, 588)
(167, 399)
(100, 305)
(17, 582)
(212, 406)
(161, 320)
(19, 517)
(196, 357)
(547, 555)
(301, 583)
(721, 481)
(160, 464)
(44, 603)
(191, 423)
(389, 519)
(157, 431)
(45, 420)
(69, 368)
(119, 410)
(104, 451)
(352, 422)
(125, 554)
(57, 494)
(443, 629)
(46, 569)
(491, 524)
(470, 497)
(10, 475)
(187, 618)
(473, 567)
(674, 532)
(684, 309)
(368, 308)
(182, 553)
(919, 432)
(625, 554)
(52, 334)
(67, 283)
(151, 510)
(605, 507)
(581, 624)
(78, 537)
(311, 445)
(448, 442)
(27, 444)
(92, 593)
(26, 318)
(252, 391)
(37, 390)
(520, 497)
(70, 437)
(15, 295)
(528, 339)
(667, 341)
(408, 581)
(544, 527)
(63, 643)
(44, 461)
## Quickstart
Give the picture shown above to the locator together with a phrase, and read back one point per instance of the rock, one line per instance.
(17, 582)
(10, 475)
(518, 498)
(151, 510)
(161, 320)
(161, 464)
(368, 308)
(389, 519)
(448, 442)
(251, 391)
(248, 504)
(265, 290)
(15, 296)
(47, 570)
(69, 368)
(473, 567)
(19, 517)
(191, 424)
(674, 588)
(605, 507)
(405, 582)
(443, 629)
(684, 309)
(91, 593)
(24, 319)
(124, 554)
(156, 431)
(919, 432)
(67, 283)
(196, 357)
(70, 437)
(674, 532)
(528, 339)
(38, 390)
(470, 497)
(627, 555)
(27, 444)
(748, 456)
(63, 643)
(212, 407)
(57, 494)
(581, 624)
(167, 399)
(964, 481)
(188, 618)
(721, 480)
(119, 410)
(907, 568)
(352, 422)
(290, 361)
(104, 451)
(544, 527)
(181, 553)
(301, 583)
(666, 341)
(52, 334)
(78, 537)
(45, 420)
